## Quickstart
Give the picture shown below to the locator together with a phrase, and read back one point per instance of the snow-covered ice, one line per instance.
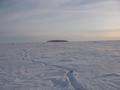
(91, 65)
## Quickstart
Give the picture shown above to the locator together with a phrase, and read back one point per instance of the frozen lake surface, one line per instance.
(60, 66)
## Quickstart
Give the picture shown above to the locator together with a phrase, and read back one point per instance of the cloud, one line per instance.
(49, 8)
(44, 18)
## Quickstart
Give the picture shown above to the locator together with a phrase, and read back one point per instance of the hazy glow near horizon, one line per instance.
(39, 20)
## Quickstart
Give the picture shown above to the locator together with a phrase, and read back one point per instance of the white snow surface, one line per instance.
(91, 65)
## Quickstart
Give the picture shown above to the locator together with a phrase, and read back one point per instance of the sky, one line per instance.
(74, 20)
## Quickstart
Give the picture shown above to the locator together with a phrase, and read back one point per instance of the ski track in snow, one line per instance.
(60, 66)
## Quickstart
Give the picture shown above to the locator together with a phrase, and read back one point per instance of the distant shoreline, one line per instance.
(50, 40)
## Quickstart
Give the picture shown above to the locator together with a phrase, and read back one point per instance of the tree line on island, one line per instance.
(57, 41)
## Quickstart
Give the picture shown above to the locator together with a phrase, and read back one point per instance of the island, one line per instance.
(57, 41)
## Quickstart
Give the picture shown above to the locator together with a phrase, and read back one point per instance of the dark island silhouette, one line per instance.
(57, 41)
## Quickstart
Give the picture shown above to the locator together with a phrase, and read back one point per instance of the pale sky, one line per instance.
(74, 20)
